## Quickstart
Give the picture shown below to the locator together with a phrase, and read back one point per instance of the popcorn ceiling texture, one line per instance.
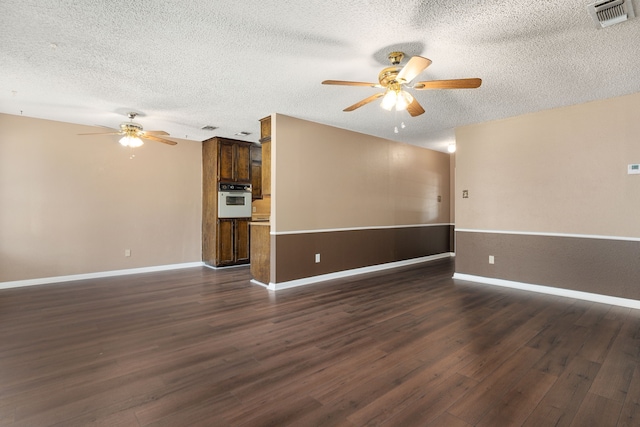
(187, 64)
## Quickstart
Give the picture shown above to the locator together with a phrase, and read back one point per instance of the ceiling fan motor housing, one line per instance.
(131, 128)
(388, 75)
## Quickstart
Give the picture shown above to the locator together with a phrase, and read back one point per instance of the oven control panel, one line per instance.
(224, 186)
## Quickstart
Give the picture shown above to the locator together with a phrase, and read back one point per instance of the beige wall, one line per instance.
(72, 204)
(356, 200)
(550, 198)
(330, 178)
(557, 171)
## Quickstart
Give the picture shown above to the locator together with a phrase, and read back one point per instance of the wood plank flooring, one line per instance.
(404, 347)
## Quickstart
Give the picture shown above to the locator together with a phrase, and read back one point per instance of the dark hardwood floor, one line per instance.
(405, 347)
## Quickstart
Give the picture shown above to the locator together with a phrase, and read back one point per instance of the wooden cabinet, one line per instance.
(265, 141)
(235, 163)
(233, 241)
(225, 241)
(261, 252)
(265, 128)
(242, 240)
(260, 230)
(266, 168)
(256, 172)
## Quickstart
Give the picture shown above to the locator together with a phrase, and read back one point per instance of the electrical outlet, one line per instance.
(492, 260)
(127, 252)
(254, 209)
(317, 258)
(465, 194)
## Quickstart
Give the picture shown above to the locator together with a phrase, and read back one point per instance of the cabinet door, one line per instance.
(225, 237)
(226, 161)
(256, 172)
(265, 128)
(256, 180)
(266, 168)
(243, 163)
(242, 240)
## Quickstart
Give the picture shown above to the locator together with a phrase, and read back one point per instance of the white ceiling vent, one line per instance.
(610, 12)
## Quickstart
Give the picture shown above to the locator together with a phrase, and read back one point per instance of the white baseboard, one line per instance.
(255, 282)
(604, 299)
(222, 267)
(340, 274)
(101, 274)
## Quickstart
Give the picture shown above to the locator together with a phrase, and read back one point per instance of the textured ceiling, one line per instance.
(187, 64)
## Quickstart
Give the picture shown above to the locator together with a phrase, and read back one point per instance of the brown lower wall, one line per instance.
(600, 266)
(347, 250)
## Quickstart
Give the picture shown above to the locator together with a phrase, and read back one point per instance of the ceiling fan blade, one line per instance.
(157, 138)
(102, 133)
(344, 83)
(449, 84)
(415, 66)
(364, 101)
(155, 132)
(106, 127)
(415, 109)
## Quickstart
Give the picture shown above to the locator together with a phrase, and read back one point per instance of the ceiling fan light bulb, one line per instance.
(389, 100)
(135, 142)
(404, 99)
(124, 141)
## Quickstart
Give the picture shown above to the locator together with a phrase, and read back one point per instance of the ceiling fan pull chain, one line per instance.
(395, 121)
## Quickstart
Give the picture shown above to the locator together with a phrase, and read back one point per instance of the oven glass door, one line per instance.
(234, 200)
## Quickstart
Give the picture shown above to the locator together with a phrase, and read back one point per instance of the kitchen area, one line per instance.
(237, 203)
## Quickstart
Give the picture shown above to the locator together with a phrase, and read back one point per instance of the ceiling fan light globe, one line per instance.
(124, 141)
(404, 99)
(135, 142)
(130, 141)
(389, 100)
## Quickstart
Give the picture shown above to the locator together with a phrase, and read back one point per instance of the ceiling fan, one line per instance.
(133, 133)
(396, 79)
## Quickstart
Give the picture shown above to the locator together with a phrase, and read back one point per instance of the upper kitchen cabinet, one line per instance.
(265, 141)
(265, 129)
(234, 160)
(256, 172)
